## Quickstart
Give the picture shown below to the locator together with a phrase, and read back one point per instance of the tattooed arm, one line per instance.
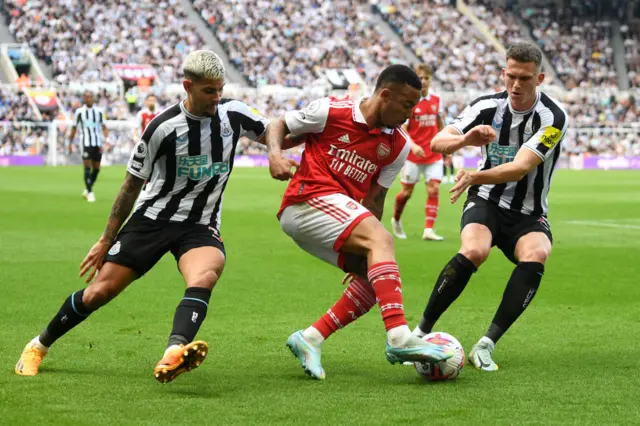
(122, 206)
(374, 200)
(119, 212)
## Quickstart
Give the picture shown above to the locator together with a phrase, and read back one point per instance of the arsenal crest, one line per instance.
(383, 151)
(351, 205)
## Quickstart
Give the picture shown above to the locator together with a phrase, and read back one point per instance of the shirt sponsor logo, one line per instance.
(550, 137)
(197, 167)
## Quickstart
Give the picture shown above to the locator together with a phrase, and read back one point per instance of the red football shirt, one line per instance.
(342, 154)
(144, 117)
(423, 126)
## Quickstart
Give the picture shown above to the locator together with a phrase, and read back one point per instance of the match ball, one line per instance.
(444, 370)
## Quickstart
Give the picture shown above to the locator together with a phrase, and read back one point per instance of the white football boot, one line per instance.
(396, 228)
(480, 355)
(430, 234)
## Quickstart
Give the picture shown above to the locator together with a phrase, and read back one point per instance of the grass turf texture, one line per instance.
(572, 358)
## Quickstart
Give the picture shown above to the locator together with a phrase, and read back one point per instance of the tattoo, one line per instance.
(276, 132)
(123, 205)
(376, 206)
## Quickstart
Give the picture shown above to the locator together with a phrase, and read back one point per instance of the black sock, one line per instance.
(452, 280)
(94, 176)
(72, 313)
(444, 170)
(520, 291)
(452, 171)
(87, 178)
(189, 315)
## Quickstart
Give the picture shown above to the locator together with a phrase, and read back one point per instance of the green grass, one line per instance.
(571, 359)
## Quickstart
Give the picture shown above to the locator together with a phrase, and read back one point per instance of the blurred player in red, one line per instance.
(148, 113)
(425, 122)
(334, 202)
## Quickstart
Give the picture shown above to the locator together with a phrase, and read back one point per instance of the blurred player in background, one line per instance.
(520, 131)
(448, 171)
(148, 113)
(333, 205)
(186, 154)
(425, 122)
(93, 131)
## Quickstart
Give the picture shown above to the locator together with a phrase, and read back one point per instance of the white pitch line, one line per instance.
(602, 224)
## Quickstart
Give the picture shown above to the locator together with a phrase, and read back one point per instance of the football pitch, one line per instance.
(571, 359)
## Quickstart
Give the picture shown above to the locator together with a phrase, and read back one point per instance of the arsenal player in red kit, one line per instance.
(425, 122)
(148, 113)
(332, 208)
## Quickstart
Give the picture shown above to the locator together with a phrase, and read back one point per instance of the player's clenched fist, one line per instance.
(480, 136)
(280, 167)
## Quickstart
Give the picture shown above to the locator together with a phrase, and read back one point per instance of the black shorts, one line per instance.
(506, 226)
(93, 153)
(142, 241)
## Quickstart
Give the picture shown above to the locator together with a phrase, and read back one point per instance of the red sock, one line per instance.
(385, 279)
(431, 211)
(398, 207)
(357, 300)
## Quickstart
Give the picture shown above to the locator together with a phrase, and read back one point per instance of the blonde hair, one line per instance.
(203, 64)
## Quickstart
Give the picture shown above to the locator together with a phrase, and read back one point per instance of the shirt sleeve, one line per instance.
(389, 172)
(311, 119)
(252, 124)
(77, 119)
(550, 136)
(473, 115)
(143, 154)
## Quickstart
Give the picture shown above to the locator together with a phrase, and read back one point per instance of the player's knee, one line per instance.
(477, 255)
(536, 254)
(407, 191)
(205, 279)
(383, 240)
(433, 191)
(96, 295)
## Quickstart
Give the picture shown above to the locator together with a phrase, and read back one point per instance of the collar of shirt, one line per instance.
(192, 116)
(513, 111)
(358, 117)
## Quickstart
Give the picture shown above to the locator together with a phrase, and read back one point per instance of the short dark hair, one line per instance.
(525, 52)
(398, 74)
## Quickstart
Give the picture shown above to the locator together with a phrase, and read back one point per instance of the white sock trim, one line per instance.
(313, 336)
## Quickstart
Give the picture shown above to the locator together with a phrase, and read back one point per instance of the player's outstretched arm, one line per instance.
(449, 140)
(374, 200)
(121, 209)
(523, 163)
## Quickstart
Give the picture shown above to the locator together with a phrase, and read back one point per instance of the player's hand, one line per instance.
(280, 167)
(94, 259)
(480, 136)
(464, 179)
(417, 150)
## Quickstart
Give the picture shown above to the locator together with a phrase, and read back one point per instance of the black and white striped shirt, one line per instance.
(187, 161)
(90, 120)
(540, 129)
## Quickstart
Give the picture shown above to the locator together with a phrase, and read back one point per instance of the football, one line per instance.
(445, 370)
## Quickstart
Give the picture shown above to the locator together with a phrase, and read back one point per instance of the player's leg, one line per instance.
(433, 177)
(86, 163)
(530, 255)
(201, 259)
(357, 299)
(95, 169)
(111, 281)
(408, 178)
(448, 162)
(369, 238)
(479, 224)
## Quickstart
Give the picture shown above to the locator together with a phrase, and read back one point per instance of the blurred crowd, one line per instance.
(81, 40)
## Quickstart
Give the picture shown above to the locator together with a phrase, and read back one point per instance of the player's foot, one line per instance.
(480, 355)
(84, 194)
(30, 360)
(91, 197)
(179, 359)
(307, 354)
(417, 350)
(396, 228)
(430, 234)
